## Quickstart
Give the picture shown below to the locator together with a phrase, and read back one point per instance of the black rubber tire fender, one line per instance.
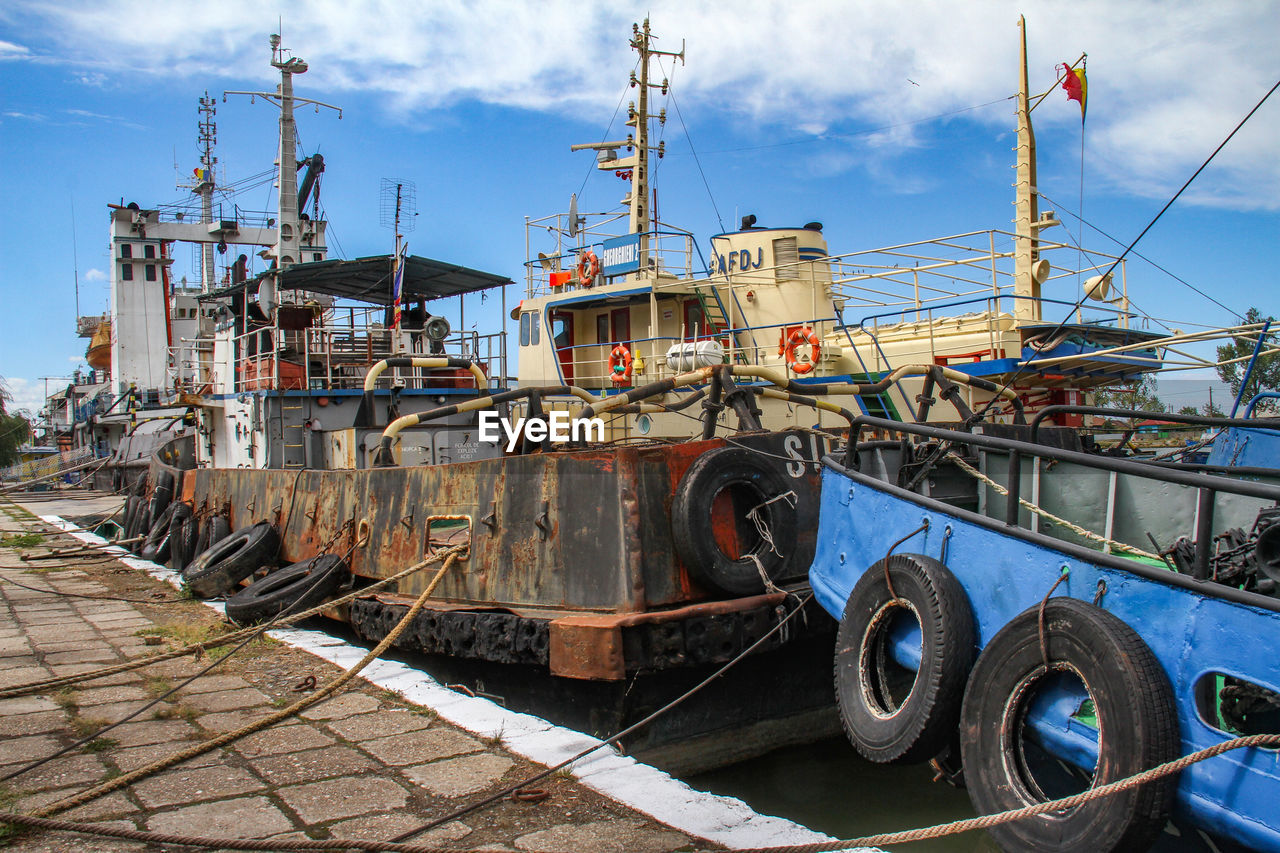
(179, 548)
(230, 560)
(693, 518)
(214, 529)
(914, 722)
(161, 495)
(156, 546)
(296, 587)
(130, 516)
(1135, 709)
(141, 525)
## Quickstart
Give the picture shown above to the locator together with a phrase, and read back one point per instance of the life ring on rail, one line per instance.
(295, 588)
(899, 710)
(798, 338)
(713, 534)
(230, 560)
(588, 268)
(620, 361)
(1092, 655)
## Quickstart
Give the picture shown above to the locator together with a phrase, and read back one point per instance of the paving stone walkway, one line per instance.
(364, 764)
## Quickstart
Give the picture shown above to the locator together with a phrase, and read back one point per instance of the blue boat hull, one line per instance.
(1194, 632)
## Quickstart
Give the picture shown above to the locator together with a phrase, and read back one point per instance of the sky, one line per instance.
(887, 121)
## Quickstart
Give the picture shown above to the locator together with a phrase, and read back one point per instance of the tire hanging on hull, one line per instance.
(891, 714)
(1006, 767)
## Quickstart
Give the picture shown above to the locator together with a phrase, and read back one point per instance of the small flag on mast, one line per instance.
(1076, 86)
(398, 286)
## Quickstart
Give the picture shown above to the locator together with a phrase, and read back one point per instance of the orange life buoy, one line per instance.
(588, 268)
(799, 337)
(620, 365)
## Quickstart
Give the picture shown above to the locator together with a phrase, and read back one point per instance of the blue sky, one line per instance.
(865, 116)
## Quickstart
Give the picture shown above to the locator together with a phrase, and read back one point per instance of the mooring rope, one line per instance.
(1043, 513)
(204, 645)
(449, 557)
(903, 837)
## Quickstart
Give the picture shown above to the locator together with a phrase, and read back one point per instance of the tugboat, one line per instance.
(608, 573)
(1039, 621)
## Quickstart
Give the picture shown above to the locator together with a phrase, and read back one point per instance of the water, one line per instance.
(828, 787)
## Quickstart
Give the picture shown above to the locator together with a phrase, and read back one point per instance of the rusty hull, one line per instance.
(586, 531)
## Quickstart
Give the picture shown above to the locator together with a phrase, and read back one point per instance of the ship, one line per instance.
(338, 427)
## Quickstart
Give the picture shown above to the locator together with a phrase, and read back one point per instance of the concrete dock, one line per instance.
(364, 764)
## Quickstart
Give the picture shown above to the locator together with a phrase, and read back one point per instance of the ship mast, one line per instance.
(1026, 220)
(637, 143)
(286, 250)
(206, 185)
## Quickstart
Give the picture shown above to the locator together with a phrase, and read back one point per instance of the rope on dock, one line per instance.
(449, 557)
(204, 645)
(904, 837)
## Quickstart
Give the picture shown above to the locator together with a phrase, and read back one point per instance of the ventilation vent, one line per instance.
(786, 256)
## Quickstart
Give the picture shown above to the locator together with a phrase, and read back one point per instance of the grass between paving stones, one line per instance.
(22, 540)
(157, 686)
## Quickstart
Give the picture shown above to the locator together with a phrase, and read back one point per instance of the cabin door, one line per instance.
(562, 336)
(620, 323)
(695, 322)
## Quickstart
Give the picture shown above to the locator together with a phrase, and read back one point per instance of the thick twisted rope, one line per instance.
(205, 645)
(449, 557)
(1043, 513)
(904, 837)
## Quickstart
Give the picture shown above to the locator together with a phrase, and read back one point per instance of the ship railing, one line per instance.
(587, 365)
(912, 276)
(189, 370)
(336, 357)
(990, 315)
(666, 253)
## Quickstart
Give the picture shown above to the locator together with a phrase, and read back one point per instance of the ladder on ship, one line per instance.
(718, 321)
(877, 405)
(293, 434)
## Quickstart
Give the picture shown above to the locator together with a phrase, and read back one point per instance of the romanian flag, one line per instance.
(1076, 86)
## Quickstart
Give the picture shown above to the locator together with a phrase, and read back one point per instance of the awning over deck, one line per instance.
(369, 280)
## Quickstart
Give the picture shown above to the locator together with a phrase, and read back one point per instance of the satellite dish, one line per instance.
(437, 328)
(575, 221)
(267, 295)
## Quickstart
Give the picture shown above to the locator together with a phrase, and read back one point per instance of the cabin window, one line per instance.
(126, 250)
(151, 272)
(529, 329)
(148, 250)
(316, 256)
(602, 328)
(786, 256)
(126, 271)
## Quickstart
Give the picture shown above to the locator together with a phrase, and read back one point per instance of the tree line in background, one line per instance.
(1233, 362)
(14, 429)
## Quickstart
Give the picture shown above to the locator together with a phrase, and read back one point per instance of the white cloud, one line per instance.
(1167, 81)
(24, 394)
(9, 50)
(95, 275)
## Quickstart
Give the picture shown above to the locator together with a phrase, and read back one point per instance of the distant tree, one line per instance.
(1266, 371)
(1140, 395)
(1209, 410)
(14, 430)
